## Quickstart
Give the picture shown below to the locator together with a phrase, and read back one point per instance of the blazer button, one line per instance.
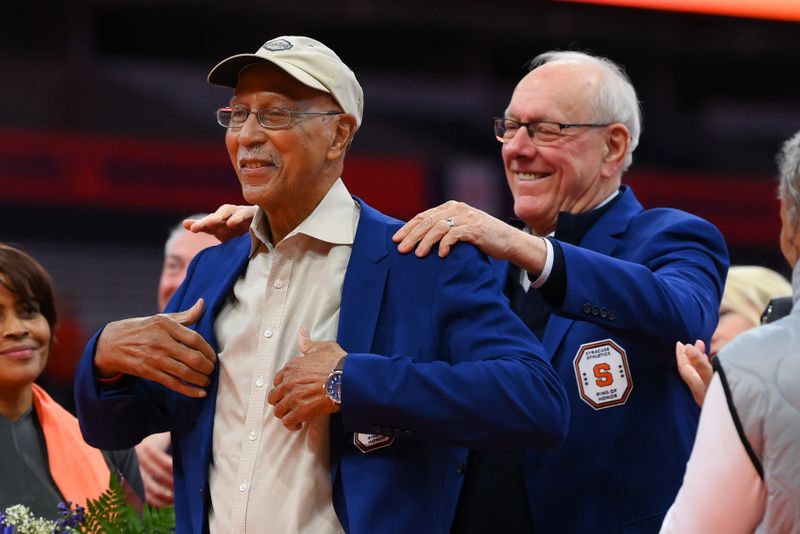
(612, 315)
(603, 312)
(595, 309)
(587, 308)
(460, 468)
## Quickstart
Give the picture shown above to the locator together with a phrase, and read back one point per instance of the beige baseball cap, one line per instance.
(308, 61)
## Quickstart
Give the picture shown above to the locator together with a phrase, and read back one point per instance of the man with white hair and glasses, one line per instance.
(608, 286)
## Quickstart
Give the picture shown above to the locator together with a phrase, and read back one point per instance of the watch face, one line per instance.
(333, 387)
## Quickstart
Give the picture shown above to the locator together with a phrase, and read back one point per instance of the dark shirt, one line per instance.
(493, 497)
(25, 468)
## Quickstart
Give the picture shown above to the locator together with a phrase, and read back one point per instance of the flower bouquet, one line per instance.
(110, 513)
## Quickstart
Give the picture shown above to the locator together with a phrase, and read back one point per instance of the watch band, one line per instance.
(340, 364)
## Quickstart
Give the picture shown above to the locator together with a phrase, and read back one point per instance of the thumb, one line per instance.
(303, 341)
(190, 316)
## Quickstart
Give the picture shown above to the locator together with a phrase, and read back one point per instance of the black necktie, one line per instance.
(529, 306)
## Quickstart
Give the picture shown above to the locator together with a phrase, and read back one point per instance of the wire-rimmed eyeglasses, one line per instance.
(270, 118)
(539, 132)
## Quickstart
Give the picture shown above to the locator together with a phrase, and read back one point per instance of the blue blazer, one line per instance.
(639, 281)
(437, 362)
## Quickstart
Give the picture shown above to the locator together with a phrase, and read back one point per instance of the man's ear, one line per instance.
(343, 135)
(617, 139)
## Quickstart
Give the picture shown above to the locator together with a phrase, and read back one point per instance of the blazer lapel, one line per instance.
(603, 237)
(362, 294)
(213, 284)
(606, 233)
(364, 281)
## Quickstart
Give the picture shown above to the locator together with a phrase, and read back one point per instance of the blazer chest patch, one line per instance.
(602, 373)
(371, 442)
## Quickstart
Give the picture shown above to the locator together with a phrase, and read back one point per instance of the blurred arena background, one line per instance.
(108, 136)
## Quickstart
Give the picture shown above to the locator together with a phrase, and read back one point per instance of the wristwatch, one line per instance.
(333, 384)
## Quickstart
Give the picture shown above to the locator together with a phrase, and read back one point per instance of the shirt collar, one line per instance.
(334, 221)
(571, 227)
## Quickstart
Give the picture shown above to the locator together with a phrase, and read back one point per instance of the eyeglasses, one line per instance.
(541, 133)
(270, 118)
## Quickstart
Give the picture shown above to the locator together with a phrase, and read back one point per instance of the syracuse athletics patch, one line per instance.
(601, 369)
(371, 442)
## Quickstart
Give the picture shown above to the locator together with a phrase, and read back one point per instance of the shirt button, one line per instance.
(277, 284)
(268, 332)
(243, 486)
(252, 435)
(259, 381)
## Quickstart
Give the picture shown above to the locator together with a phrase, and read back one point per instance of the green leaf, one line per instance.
(111, 513)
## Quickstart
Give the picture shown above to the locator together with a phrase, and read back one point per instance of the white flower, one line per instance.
(20, 517)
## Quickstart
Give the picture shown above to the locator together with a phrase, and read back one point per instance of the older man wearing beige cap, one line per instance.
(316, 380)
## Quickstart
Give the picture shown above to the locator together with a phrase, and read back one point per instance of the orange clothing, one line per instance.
(78, 469)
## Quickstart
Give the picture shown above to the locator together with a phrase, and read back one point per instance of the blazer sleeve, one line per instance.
(491, 384)
(672, 283)
(120, 415)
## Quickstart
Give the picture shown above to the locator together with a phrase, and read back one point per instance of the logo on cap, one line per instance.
(277, 44)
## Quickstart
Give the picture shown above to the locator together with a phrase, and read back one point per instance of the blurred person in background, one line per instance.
(330, 382)
(744, 472)
(43, 460)
(155, 459)
(753, 295)
(181, 246)
(748, 291)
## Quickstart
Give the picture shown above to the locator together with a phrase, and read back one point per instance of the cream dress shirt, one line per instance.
(263, 477)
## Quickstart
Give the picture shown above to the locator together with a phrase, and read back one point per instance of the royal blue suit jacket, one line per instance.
(639, 281)
(436, 360)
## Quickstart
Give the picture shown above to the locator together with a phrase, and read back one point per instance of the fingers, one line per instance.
(192, 340)
(428, 227)
(190, 316)
(694, 368)
(295, 407)
(226, 222)
(700, 346)
(303, 341)
(241, 218)
(211, 222)
(158, 348)
(156, 469)
(424, 233)
(700, 363)
(299, 393)
(156, 493)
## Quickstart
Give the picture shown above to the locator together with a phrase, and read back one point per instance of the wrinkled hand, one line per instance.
(156, 467)
(160, 348)
(494, 237)
(227, 222)
(298, 395)
(695, 368)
